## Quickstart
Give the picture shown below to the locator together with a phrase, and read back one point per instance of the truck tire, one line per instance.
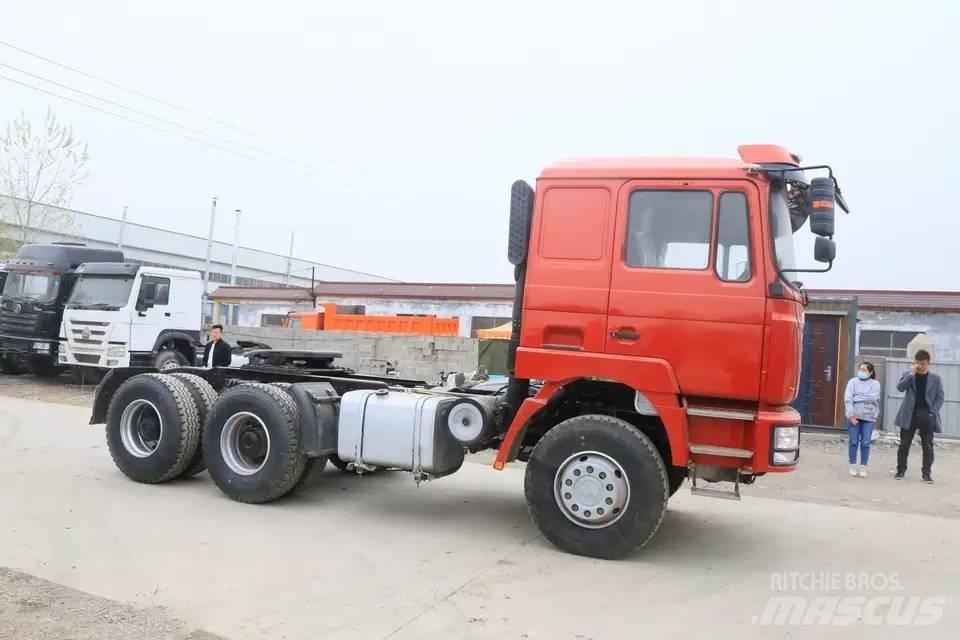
(11, 366)
(311, 471)
(204, 398)
(596, 486)
(43, 366)
(169, 359)
(251, 443)
(153, 429)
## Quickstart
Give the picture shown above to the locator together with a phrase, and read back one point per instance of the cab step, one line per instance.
(715, 492)
(724, 452)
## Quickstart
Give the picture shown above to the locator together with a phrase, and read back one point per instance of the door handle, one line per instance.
(167, 314)
(828, 372)
(624, 334)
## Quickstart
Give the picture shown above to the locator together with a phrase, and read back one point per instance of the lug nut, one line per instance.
(575, 508)
(609, 501)
(603, 475)
(609, 487)
(567, 496)
(576, 472)
(586, 513)
(589, 469)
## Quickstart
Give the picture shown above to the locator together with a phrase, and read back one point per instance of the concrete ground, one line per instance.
(90, 553)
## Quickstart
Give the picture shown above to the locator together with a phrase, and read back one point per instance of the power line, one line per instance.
(128, 90)
(142, 113)
(313, 173)
(172, 105)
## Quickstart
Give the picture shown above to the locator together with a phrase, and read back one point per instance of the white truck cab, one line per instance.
(127, 315)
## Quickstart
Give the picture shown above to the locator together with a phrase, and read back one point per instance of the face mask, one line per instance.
(863, 375)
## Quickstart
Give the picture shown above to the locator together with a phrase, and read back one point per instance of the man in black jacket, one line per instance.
(217, 353)
(920, 411)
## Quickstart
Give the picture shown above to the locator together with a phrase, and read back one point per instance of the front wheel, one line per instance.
(43, 366)
(11, 365)
(596, 486)
(168, 359)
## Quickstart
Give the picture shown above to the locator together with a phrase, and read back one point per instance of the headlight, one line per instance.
(116, 351)
(41, 346)
(784, 457)
(786, 438)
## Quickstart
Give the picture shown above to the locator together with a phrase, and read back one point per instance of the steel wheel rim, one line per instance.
(592, 489)
(169, 364)
(139, 419)
(236, 443)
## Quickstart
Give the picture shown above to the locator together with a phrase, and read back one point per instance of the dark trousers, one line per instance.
(923, 422)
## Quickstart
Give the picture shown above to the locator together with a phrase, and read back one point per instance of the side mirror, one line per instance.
(148, 294)
(521, 212)
(824, 250)
(822, 206)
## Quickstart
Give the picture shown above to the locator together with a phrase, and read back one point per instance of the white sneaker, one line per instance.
(863, 471)
(853, 470)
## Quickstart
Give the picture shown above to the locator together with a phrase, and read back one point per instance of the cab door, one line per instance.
(147, 325)
(687, 283)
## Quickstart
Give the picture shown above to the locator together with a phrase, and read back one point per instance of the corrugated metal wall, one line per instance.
(949, 373)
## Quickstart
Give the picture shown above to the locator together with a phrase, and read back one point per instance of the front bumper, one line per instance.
(72, 355)
(25, 346)
(765, 448)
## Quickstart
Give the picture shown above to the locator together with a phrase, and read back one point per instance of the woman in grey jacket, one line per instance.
(862, 400)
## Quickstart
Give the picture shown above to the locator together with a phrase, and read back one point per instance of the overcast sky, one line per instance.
(394, 129)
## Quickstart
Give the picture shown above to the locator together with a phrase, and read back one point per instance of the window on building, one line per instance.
(486, 322)
(669, 229)
(733, 238)
(271, 319)
(885, 344)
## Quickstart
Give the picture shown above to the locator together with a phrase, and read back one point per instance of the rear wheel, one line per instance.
(252, 443)
(152, 428)
(596, 486)
(11, 366)
(43, 366)
(204, 398)
(169, 359)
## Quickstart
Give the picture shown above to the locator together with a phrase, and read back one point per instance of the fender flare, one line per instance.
(190, 337)
(653, 378)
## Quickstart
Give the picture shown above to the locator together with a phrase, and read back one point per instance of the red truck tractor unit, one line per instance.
(656, 337)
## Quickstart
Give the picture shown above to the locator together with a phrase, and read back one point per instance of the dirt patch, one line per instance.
(31, 608)
(823, 478)
(59, 390)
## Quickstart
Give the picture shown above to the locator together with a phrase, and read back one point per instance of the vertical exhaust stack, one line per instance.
(521, 214)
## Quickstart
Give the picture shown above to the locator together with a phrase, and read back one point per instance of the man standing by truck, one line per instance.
(217, 353)
(920, 411)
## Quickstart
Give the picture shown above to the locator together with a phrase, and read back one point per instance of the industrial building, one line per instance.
(157, 247)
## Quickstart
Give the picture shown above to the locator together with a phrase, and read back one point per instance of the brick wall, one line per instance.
(418, 357)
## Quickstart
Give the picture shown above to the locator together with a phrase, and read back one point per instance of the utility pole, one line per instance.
(313, 286)
(206, 271)
(123, 227)
(236, 242)
(290, 259)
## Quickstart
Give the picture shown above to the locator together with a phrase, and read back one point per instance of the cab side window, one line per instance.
(733, 262)
(669, 229)
(163, 289)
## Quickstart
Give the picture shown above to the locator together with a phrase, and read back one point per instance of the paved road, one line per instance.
(376, 557)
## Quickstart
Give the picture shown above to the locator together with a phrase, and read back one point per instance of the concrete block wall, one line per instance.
(418, 357)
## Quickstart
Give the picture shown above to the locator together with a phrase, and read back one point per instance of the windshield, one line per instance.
(35, 285)
(93, 292)
(782, 231)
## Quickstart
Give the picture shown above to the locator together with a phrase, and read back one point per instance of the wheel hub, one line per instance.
(244, 443)
(592, 489)
(141, 428)
(149, 429)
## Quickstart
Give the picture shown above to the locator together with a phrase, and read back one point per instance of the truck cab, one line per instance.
(124, 314)
(38, 283)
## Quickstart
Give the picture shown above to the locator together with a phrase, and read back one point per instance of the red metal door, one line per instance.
(819, 376)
